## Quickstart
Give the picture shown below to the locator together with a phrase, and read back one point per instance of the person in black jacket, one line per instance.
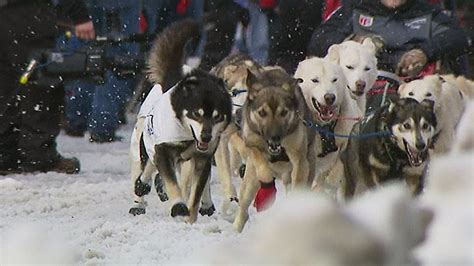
(220, 22)
(29, 114)
(291, 24)
(412, 33)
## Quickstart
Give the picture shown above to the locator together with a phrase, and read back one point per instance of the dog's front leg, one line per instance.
(224, 173)
(207, 206)
(167, 172)
(186, 172)
(248, 190)
(259, 171)
(202, 171)
(415, 183)
(300, 171)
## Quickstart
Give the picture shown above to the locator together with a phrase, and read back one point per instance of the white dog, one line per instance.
(359, 64)
(334, 112)
(449, 190)
(381, 228)
(448, 106)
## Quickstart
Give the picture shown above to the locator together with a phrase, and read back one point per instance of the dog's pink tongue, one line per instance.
(326, 112)
(265, 196)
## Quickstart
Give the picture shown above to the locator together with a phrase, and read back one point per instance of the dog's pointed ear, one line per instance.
(251, 78)
(428, 105)
(440, 78)
(333, 53)
(369, 44)
(251, 81)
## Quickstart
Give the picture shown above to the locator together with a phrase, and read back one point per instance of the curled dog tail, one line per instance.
(166, 58)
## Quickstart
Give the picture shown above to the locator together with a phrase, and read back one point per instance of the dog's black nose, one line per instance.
(360, 85)
(420, 146)
(330, 98)
(275, 139)
(206, 137)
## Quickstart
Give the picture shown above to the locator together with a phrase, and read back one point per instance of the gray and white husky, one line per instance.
(178, 126)
(400, 153)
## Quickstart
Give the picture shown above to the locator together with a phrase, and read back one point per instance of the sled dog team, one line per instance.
(310, 130)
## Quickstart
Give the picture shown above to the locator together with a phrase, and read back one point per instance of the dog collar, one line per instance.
(236, 92)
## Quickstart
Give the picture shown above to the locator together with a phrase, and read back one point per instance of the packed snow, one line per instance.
(59, 218)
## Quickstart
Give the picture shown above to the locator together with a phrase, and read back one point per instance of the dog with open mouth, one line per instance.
(400, 152)
(276, 141)
(333, 113)
(449, 103)
(178, 127)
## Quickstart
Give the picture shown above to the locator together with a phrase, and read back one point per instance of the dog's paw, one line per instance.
(160, 188)
(141, 189)
(229, 209)
(136, 211)
(242, 171)
(179, 209)
(207, 211)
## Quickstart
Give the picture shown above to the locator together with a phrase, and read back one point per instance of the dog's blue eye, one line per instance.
(262, 113)
(350, 67)
(315, 80)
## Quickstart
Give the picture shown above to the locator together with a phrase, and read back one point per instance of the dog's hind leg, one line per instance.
(202, 171)
(222, 158)
(139, 164)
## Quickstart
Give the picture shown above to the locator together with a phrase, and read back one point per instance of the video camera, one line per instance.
(51, 66)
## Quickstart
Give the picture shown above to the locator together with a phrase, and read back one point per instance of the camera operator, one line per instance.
(29, 114)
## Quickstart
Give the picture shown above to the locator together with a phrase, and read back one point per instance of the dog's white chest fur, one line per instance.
(161, 124)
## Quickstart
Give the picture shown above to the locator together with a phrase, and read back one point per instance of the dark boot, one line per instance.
(59, 165)
(104, 138)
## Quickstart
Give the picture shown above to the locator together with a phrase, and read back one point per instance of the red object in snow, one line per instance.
(142, 23)
(265, 196)
(182, 6)
(330, 7)
(268, 3)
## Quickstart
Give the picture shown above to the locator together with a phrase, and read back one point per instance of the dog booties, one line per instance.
(265, 196)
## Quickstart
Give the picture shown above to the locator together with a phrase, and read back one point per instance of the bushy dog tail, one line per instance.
(166, 58)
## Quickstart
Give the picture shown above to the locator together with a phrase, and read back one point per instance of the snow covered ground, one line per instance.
(52, 218)
(59, 218)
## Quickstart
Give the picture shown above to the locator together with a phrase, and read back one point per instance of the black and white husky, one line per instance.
(178, 126)
(400, 152)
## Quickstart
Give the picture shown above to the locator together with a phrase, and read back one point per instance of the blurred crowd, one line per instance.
(273, 32)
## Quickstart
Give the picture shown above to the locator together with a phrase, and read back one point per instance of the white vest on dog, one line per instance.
(161, 124)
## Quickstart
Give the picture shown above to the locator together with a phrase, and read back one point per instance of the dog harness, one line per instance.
(161, 124)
